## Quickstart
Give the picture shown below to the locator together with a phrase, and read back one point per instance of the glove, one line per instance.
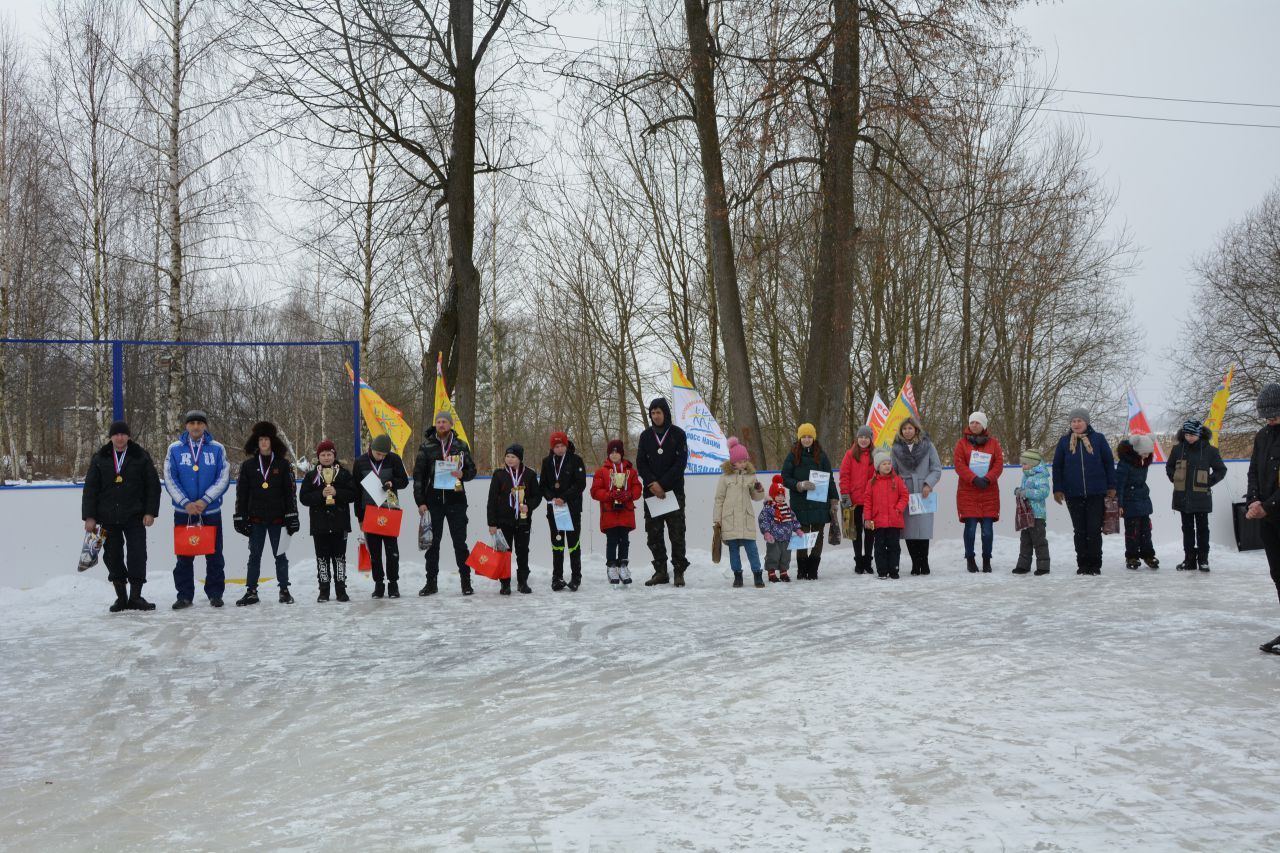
(845, 503)
(241, 525)
(1019, 493)
(981, 482)
(1059, 497)
(291, 524)
(805, 486)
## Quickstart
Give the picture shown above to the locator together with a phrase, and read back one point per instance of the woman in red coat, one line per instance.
(616, 485)
(978, 496)
(855, 472)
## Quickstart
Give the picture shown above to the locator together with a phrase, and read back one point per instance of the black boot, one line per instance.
(1204, 564)
(505, 589)
(986, 565)
(522, 583)
(1272, 647)
(324, 592)
(971, 564)
(659, 577)
(1021, 569)
(679, 578)
(737, 580)
(430, 587)
(121, 603)
(1042, 569)
(1152, 562)
(575, 581)
(1188, 563)
(393, 589)
(340, 591)
(759, 580)
(285, 597)
(379, 589)
(250, 597)
(137, 602)
(557, 582)
(814, 562)
(465, 579)
(1131, 562)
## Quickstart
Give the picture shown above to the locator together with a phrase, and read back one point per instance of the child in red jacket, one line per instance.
(616, 485)
(885, 502)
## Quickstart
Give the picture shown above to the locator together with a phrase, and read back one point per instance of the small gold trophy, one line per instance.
(619, 482)
(524, 510)
(328, 475)
(457, 466)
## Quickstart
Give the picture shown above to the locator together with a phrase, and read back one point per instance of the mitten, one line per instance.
(805, 486)
(291, 524)
(981, 482)
(241, 525)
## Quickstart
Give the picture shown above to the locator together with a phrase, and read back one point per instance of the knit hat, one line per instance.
(1191, 426)
(381, 443)
(1142, 444)
(1079, 412)
(980, 417)
(196, 415)
(444, 414)
(1031, 457)
(516, 450)
(738, 451)
(776, 488)
(1269, 401)
(328, 445)
(807, 429)
(559, 437)
(881, 455)
(865, 430)
(119, 428)
(614, 444)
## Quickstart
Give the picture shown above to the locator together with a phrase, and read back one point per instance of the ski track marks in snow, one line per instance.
(955, 712)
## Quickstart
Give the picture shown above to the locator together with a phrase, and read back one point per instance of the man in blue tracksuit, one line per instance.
(196, 475)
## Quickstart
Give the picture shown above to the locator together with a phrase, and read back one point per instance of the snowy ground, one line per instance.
(1127, 712)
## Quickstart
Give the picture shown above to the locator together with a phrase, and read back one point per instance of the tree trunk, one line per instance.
(176, 391)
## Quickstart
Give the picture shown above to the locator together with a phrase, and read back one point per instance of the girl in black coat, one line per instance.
(1194, 467)
(513, 496)
(328, 492)
(266, 505)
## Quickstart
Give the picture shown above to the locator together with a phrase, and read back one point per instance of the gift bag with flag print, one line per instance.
(194, 540)
(487, 561)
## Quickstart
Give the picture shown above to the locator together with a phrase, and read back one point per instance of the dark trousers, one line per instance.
(566, 540)
(1137, 537)
(863, 541)
(813, 556)
(970, 535)
(673, 524)
(258, 535)
(517, 537)
(918, 549)
(1034, 539)
(378, 545)
(617, 545)
(456, 515)
(1195, 535)
(888, 544)
(330, 544)
(184, 572)
(1270, 532)
(134, 569)
(1086, 521)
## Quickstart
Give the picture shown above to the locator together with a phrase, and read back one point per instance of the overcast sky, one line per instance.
(1176, 185)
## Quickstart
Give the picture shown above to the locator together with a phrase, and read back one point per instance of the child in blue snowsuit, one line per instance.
(1035, 488)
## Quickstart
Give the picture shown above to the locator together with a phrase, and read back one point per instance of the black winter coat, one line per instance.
(500, 511)
(108, 502)
(572, 481)
(326, 518)
(1264, 472)
(1194, 469)
(392, 471)
(1131, 482)
(665, 468)
(270, 505)
(430, 452)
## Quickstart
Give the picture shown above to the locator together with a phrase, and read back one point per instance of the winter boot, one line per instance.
(505, 589)
(1081, 570)
(285, 597)
(466, 583)
(379, 590)
(1042, 569)
(971, 564)
(802, 568)
(679, 578)
(1188, 563)
(737, 580)
(1204, 564)
(429, 588)
(915, 568)
(393, 589)
(575, 581)
(784, 577)
(324, 592)
(624, 572)
(1021, 569)
(659, 577)
(250, 597)
(121, 603)
(614, 577)
(773, 576)
(557, 581)
(522, 582)
(1131, 562)
(986, 565)
(182, 604)
(1272, 647)
(759, 576)
(137, 602)
(813, 567)
(340, 591)
(893, 574)
(1152, 562)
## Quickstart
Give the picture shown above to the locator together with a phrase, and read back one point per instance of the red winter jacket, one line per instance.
(854, 474)
(972, 502)
(885, 500)
(602, 491)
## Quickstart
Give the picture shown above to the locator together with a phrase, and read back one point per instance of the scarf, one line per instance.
(1082, 438)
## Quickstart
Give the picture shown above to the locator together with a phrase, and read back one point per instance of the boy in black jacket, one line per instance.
(564, 479)
(1194, 467)
(389, 467)
(444, 445)
(122, 496)
(513, 496)
(660, 461)
(265, 505)
(328, 492)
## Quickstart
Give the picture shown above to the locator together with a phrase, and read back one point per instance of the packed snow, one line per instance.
(951, 712)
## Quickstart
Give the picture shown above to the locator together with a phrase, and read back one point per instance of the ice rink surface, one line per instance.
(949, 713)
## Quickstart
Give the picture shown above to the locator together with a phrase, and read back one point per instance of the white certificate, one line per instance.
(662, 506)
(821, 484)
(373, 487)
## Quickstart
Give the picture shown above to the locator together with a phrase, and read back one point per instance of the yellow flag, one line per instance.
(1218, 410)
(904, 406)
(444, 404)
(381, 417)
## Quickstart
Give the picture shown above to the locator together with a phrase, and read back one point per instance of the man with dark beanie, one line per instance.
(443, 444)
(196, 476)
(513, 496)
(1263, 493)
(389, 468)
(660, 461)
(122, 496)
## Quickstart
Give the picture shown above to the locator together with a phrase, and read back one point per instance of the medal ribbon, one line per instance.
(263, 471)
(558, 467)
(660, 438)
(195, 451)
(119, 459)
(515, 483)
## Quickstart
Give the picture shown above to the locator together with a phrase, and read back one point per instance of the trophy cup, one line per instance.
(328, 475)
(393, 500)
(457, 466)
(524, 510)
(619, 482)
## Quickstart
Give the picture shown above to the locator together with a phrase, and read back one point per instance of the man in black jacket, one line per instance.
(660, 461)
(1263, 494)
(122, 496)
(389, 467)
(563, 480)
(266, 504)
(442, 444)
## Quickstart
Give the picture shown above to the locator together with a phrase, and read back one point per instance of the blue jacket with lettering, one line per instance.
(185, 484)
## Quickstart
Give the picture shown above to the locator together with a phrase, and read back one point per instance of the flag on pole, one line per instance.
(381, 417)
(1218, 410)
(444, 404)
(1138, 424)
(878, 414)
(708, 445)
(904, 406)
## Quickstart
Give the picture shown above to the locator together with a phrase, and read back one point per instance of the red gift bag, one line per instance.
(364, 563)
(485, 560)
(1110, 515)
(382, 521)
(1024, 517)
(194, 540)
